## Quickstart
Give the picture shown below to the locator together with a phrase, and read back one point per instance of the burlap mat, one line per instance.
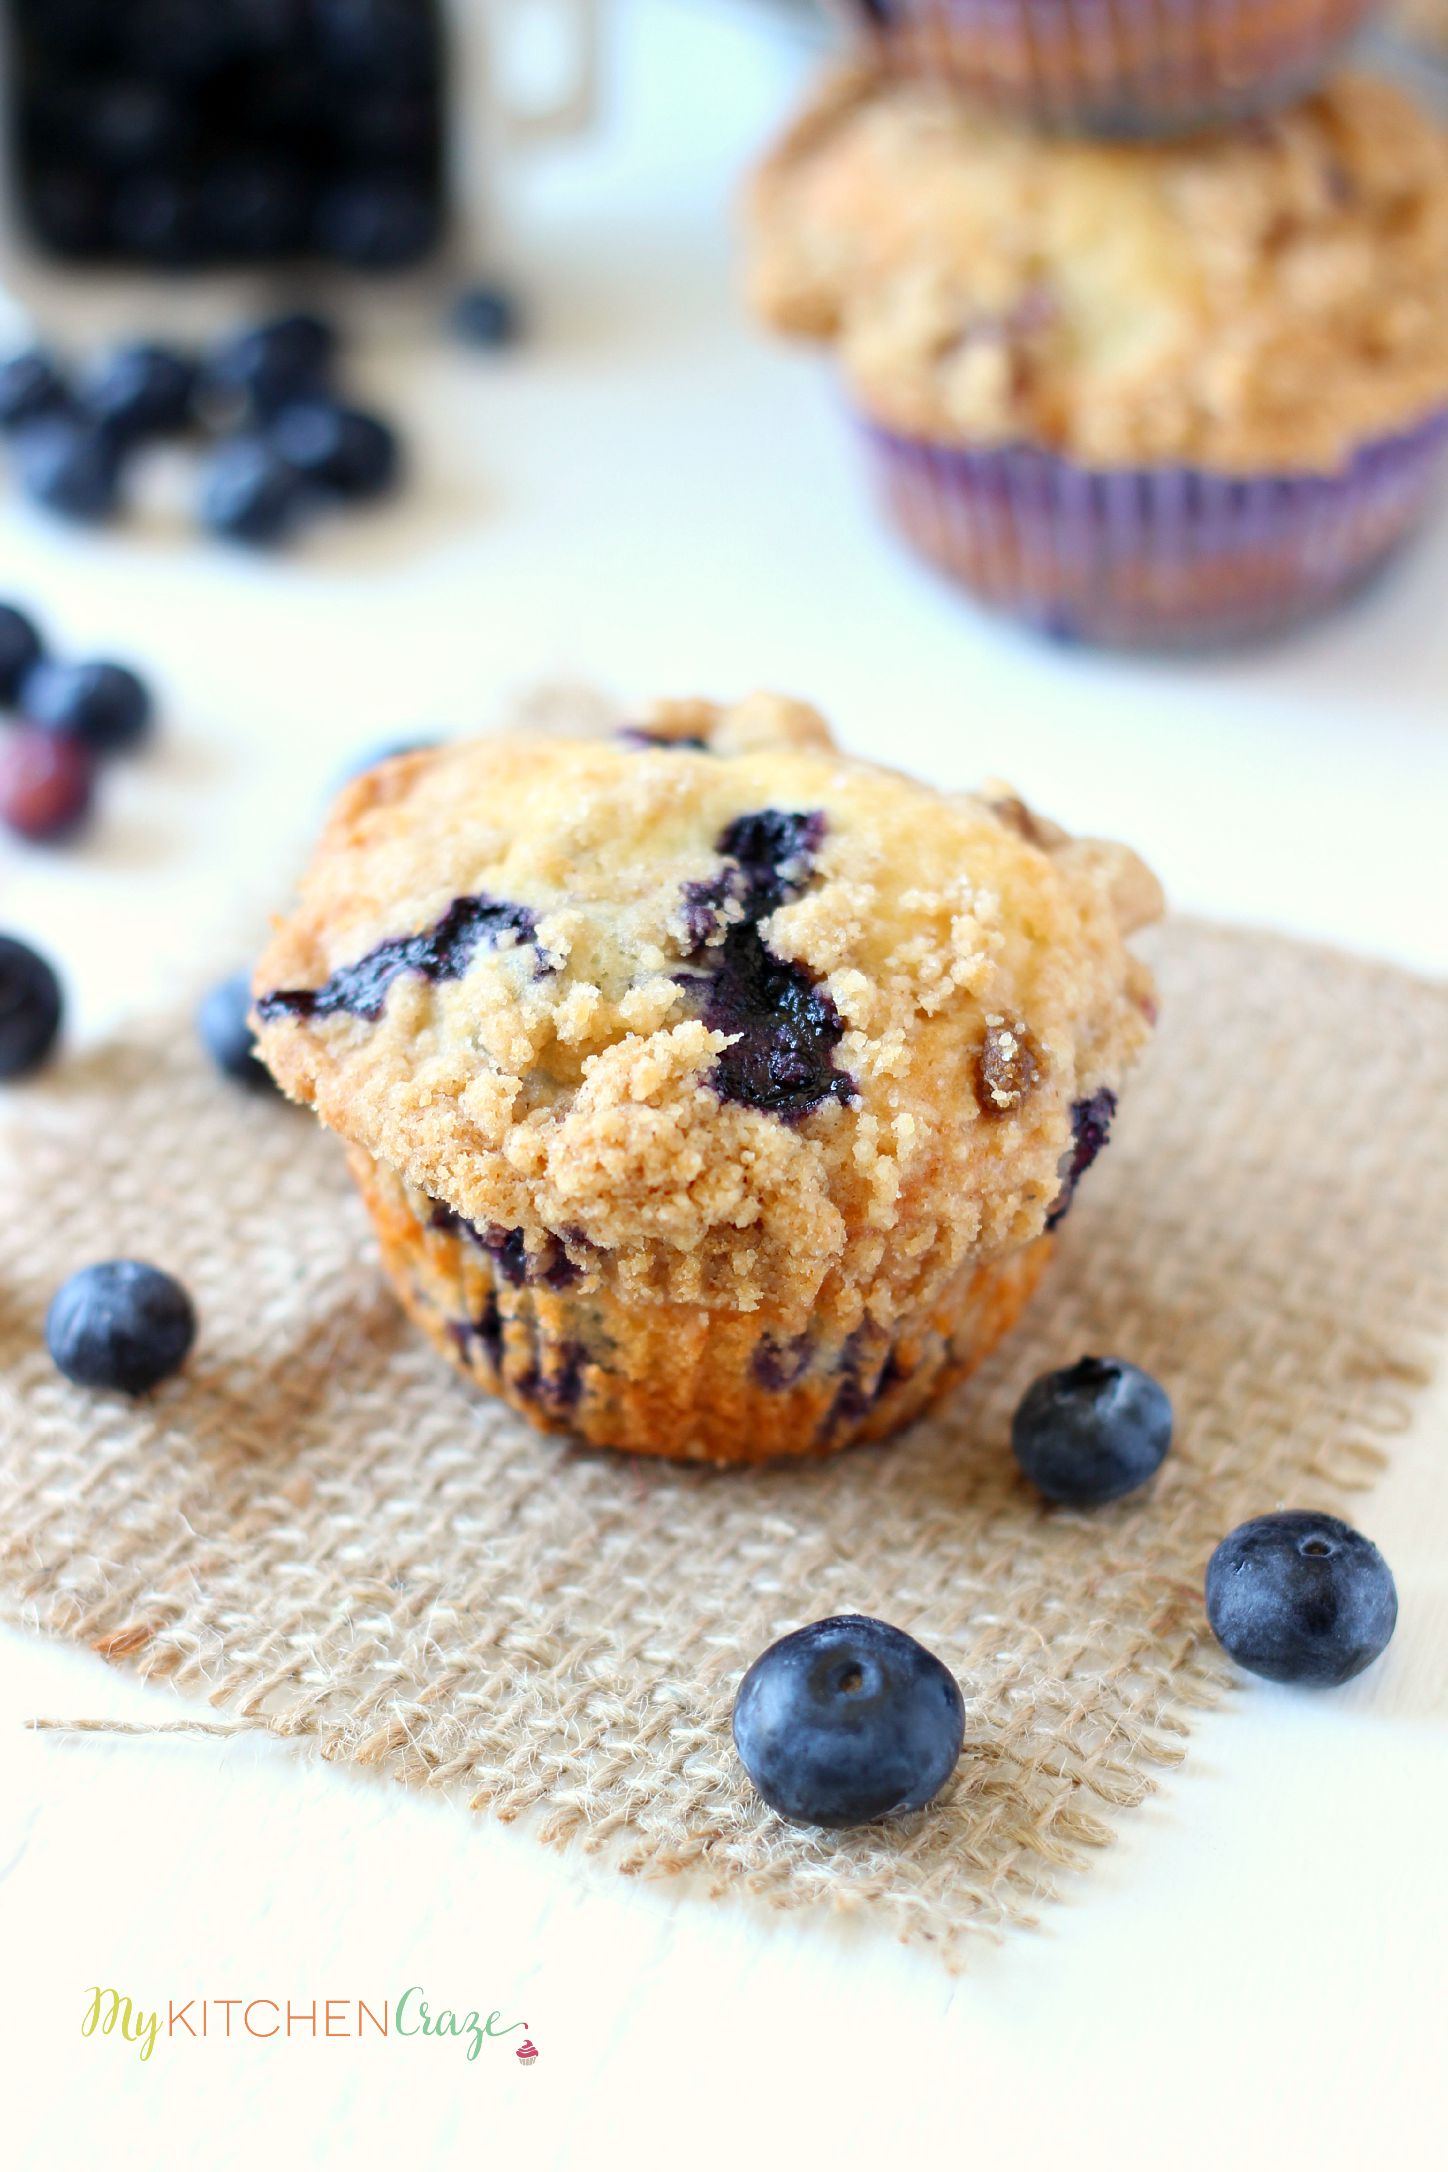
(317, 1530)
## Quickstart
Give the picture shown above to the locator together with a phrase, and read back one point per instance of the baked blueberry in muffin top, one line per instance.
(710, 1013)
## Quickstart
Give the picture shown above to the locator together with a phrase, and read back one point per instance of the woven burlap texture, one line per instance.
(318, 1530)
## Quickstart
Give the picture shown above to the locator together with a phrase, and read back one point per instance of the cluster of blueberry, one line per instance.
(850, 1720)
(280, 441)
(67, 716)
(215, 132)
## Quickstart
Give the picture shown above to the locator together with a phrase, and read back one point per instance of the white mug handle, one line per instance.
(522, 121)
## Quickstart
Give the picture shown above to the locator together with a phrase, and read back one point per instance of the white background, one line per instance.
(654, 498)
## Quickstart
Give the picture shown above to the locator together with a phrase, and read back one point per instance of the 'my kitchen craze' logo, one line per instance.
(111, 2013)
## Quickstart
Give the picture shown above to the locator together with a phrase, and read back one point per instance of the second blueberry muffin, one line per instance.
(1146, 394)
(713, 1094)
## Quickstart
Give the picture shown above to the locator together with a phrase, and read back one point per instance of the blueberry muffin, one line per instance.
(713, 1094)
(1134, 393)
(1131, 67)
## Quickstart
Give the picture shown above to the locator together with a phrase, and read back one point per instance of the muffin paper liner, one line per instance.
(1154, 556)
(677, 1379)
(1116, 67)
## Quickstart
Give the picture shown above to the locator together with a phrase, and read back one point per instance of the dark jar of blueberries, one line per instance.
(227, 135)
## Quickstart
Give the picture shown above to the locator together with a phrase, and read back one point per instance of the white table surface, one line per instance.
(654, 498)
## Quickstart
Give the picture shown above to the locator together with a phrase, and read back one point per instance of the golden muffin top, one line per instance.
(712, 1005)
(1264, 300)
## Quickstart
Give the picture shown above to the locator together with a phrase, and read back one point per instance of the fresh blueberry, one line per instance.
(104, 705)
(254, 208)
(486, 316)
(142, 391)
(267, 365)
(390, 40)
(121, 1324)
(338, 449)
(847, 1721)
(249, 493)
(46, 784)
(178, 38)
(69, 465)
(20, 649)
(224, 1025)
(156, 216)
(1301, 1598)
(32, 387)
(30, 1008)
(377, 223)
(129, 122)
(67, 211)
(1092, 1432)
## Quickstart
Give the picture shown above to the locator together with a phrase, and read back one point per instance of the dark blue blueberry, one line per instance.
(20, 650)
(1301, 1598)
(130, 122)
(156, 216)
(267, 365)
(866, 1369)
(775, 854)
(488, 316)
(142, 391)
(253, 208)
(185, 39)
(1092, 1432)
(441, 952)
(508, 1249)
(636, 735)
(393, 127)
(779, 1365)
(1090, 1129)
(784, 1027)
(32, 386)
(847, 1721)
(338, 449)
(377, 223)
(249, 493)
(560, 1388)
(486, 1329)
(104, 705)
(30, 1008)
(70, 466)
(224, 1026)
(389, 40)
(120, 1325)
(67, 211)
(785, 1030)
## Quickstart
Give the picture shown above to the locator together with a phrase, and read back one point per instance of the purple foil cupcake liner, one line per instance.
(1116, 67)
(1161, 556)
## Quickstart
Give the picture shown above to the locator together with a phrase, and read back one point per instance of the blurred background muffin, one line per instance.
(1130, 67)
(1141, 394)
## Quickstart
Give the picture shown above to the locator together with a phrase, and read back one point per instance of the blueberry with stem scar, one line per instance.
(847, 1721)
(121, 1324)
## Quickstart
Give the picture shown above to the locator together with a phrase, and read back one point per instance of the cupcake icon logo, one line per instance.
(527, 2052)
